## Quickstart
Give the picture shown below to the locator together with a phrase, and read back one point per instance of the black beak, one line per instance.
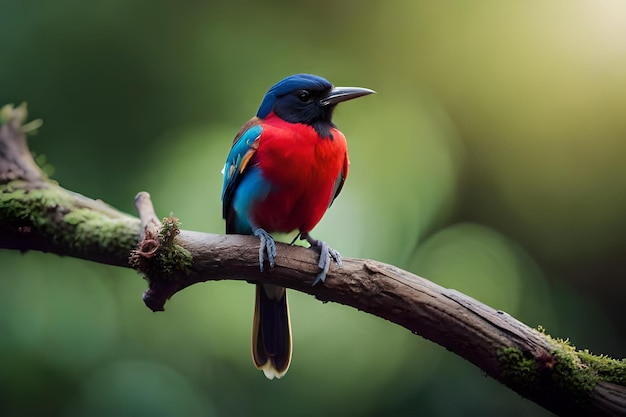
(339, 94)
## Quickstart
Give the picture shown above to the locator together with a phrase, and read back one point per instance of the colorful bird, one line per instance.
(285, 168)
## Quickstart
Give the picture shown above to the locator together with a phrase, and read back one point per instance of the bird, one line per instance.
(285, 168)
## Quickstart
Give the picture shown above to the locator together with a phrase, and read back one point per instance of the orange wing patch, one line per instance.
(248, 155)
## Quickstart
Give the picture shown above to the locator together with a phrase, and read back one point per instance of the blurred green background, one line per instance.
(490, 161)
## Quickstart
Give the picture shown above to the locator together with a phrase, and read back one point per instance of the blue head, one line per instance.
(308, 99)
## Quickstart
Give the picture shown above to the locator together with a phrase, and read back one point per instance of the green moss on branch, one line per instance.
(518, 369)
(158, 257)
(580, 370)
(46, 217)
(570, 371)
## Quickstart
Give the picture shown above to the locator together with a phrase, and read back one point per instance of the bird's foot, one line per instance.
(327, 254)
(267, 245)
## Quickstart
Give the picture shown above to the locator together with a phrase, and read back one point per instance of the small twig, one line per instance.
(150, 223)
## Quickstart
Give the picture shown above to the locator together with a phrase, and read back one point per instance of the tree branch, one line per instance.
(37, 214)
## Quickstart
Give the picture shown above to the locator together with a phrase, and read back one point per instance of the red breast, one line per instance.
(303, 169)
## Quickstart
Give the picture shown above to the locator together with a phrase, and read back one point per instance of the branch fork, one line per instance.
(162, 261)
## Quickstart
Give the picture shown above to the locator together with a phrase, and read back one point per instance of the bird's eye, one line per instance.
(304, 96)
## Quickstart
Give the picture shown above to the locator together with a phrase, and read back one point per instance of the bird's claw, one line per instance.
(267, 245)
(327, 254)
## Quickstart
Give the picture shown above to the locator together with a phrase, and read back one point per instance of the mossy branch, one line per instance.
(38, 214)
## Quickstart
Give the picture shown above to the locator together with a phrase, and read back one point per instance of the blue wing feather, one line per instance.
(243, 149)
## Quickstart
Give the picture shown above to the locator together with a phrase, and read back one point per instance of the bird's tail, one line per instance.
(271, 331)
